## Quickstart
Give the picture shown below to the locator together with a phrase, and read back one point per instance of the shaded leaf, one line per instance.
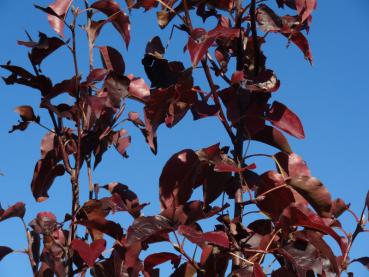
(46, 46)
(200, 41)
(177, 178)
(16, 210)
(45, 172)
(105, 226)
(218, 238)
(363, 260)
(4, 250)
(89, 252)
(296, 215)
(314, 192)
(273, 137)
(124, 199)
(184, 270)
(144, 228)
(155, 259)
(112, 59)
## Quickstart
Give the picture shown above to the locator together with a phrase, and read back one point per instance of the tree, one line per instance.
(299, 210)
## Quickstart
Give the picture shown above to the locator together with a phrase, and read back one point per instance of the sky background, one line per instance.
(331, 98)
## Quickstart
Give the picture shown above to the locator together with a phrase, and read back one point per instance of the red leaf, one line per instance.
(177, 178)
(121, 141)
(273, 137)
(96, 75)
(60, 7)
(295, 215)
(223, 167)
(112, 59)
(119, 19)
(46, 170)
(292, 164)
(302, 43)
(258, 271)
(282, 117)
(135, 118)
(363, 260)
(89, 253)
(4, 250)
(138, 89)
(218, 238)
(314, 192)
(17, 210)
(158, 258)
(105, 226)
(305, 8)
(200, 40)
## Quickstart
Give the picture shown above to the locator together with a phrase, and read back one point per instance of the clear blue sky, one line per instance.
(330, 98)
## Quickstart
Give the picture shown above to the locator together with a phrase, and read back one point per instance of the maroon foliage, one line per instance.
(293, 212)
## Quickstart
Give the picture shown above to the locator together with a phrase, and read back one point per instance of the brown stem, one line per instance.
(358, 230)
(180, 249)
(254, 37)
(29, 248)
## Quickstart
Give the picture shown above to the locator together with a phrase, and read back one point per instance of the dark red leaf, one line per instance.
(258, 271)
(282, 117)
(301, 42)
(271, 22)
(21, 126)
(190, 213)
(124, 199)
(273, 137)
(314, 192)
(295, 215)
(105, 226)
(363, 260)
(4, 250)
(46, 46)
(119, 19)
(177, 178)
(145, 227)
(17, 210)
(275, 202)
(201, 109)
(89, 253)
(112, 59)
(45, 172)
(223, 167)
(155, 259)
(200, 40)
(121, 141)
(21, 76)
(184, 270)
(60, 7)
(292, 164)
